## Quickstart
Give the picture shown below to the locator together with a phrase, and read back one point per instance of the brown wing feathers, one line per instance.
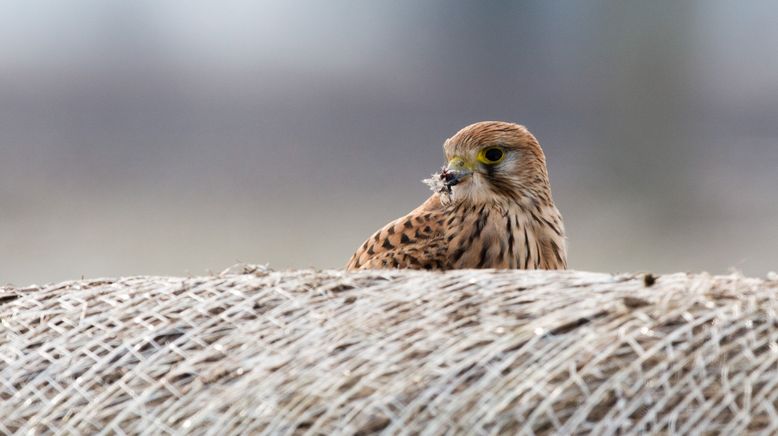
(413, 241)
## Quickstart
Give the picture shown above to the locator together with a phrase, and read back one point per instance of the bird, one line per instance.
(491, 208)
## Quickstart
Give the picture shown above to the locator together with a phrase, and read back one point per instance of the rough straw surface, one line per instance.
(475, 352)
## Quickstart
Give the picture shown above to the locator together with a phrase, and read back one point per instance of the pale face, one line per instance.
(481, 174)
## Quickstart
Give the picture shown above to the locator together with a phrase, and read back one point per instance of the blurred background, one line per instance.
(179, 137)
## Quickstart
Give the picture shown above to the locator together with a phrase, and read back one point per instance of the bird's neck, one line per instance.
(524, 204)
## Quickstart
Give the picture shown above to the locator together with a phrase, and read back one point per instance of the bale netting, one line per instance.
(253, 351)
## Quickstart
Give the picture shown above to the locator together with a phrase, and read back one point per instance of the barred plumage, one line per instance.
(494, 210)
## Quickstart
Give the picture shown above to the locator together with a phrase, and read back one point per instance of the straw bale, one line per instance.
(253, 351)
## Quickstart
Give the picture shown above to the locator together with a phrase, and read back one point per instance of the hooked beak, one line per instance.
(456, 170)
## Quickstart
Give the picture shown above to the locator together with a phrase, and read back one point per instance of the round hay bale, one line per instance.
(330, 352)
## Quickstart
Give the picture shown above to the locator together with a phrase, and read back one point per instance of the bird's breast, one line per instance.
(512, 237)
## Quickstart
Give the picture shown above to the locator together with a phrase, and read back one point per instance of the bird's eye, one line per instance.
(491, 155)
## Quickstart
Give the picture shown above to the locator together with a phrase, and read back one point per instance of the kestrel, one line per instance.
(492, 208)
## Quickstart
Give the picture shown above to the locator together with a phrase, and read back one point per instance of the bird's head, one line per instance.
(494, 161)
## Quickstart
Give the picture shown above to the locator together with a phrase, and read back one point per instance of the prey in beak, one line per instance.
(456, 170)
(449, 176)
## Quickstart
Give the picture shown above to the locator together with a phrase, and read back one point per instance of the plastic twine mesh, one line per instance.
(400, 352)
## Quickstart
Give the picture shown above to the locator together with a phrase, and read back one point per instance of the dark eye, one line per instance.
(493, 155)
